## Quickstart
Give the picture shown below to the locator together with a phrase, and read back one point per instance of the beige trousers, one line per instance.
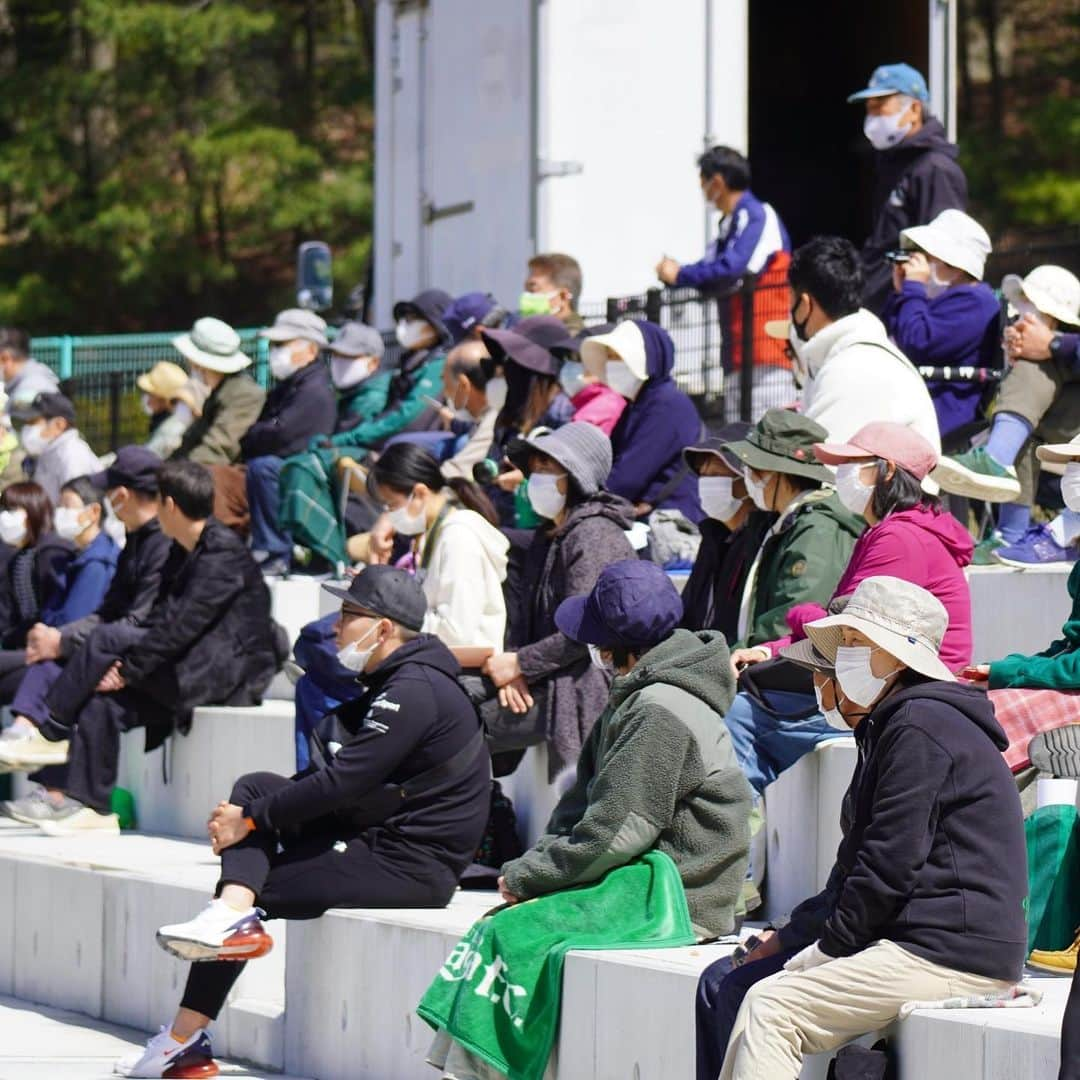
(811, 1012)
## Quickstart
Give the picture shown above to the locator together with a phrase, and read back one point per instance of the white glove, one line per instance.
(810, 957)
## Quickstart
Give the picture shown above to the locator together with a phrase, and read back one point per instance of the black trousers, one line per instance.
(301, 875)
(1070, 1033)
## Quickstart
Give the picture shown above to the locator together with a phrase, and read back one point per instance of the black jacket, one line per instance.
(296, 408)
(49, 559)
(915, 181)
(713, 592)
(147, 560)
(412, 717)
(210, 638)
(933, 856)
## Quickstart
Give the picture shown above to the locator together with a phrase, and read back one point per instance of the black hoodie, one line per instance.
(934, 857)
(915, 181)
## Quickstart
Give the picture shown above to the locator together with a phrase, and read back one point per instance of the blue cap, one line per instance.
(632, 604)
(894, 79)
(466, 312)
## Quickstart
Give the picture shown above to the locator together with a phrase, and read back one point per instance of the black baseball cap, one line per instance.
(134, 467)
(45, 405)
(387, 592)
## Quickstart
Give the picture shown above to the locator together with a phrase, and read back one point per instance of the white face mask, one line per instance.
(885, 131)
(1070, 485)
(598, 661)
(66, 522)
(716, 497)
(935, 285)
(353, 657)
(799, 368)
(346, 371)
(756, 490)
(832, 716)
(854, 494)
(281, 365)
(33, 442)
(622, 380)
(146, 406)
(858, 682)
(544, 495)
(183, 413)
(405, 523)
(572, 378)
(495, 392)
(13, 526)
(409, 332)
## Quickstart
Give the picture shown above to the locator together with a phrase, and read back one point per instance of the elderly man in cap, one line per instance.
(212, 348)
(917, 174)
(53, 443)
(388, 815)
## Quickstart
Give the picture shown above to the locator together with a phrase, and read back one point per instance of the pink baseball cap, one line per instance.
(893, 442)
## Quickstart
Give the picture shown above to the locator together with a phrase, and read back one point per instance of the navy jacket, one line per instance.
(295, 409)
(915, 181)
(934, 857)
(648, 440)
(88, 578)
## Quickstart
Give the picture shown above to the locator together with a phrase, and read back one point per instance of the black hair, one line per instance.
(31, 497)
(728, 163)
(87, 492)
(829, 269)
(15, 341)
(189, 485)
(901, 491)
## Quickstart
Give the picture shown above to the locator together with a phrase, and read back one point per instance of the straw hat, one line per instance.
(163, 380)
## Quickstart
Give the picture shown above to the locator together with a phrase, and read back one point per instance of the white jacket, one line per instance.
(463, 582)
(857, 375)
(65, 458)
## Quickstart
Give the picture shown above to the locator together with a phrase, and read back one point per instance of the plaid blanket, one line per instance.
(309, 492)
(1023, 714)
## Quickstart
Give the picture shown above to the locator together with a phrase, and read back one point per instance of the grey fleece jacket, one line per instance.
(658, 771)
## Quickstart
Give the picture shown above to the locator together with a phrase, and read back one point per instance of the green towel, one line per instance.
(1053, 850)
(498, 993)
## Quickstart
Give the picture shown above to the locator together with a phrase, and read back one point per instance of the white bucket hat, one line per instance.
(1052, 289)
(626, 340)
(1059, 453)
(214, 345)
(900, 617)
(953, 237)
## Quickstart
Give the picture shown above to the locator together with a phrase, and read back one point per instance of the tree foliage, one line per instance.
(160, 160)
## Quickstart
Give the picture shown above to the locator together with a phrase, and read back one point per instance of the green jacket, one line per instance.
(232, 407)
(1057, 667)
(358, 405)
(801, 563)
(658, 772)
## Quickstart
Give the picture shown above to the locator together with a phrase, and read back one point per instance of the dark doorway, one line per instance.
(809, 156)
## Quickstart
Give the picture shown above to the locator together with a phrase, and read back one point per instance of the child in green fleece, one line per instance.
(658, 770)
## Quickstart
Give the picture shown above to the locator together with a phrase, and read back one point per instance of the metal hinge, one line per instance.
(430, 212)
(544, 169)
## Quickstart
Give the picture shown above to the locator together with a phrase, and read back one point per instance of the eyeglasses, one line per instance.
(356, 613)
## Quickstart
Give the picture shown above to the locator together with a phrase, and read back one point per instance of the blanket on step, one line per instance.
(499, 992)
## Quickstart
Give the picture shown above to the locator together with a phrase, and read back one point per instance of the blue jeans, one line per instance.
(769, 740)
(264, 504)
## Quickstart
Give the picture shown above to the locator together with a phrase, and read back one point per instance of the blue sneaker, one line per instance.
(1037, 548)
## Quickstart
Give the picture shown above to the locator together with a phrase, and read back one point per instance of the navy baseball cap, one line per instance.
(387, 592)
(633, 604)
(466, 312)
(894, 79)
(47, 405)
(134, 467)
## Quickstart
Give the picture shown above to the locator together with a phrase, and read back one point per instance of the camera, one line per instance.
(898, 256)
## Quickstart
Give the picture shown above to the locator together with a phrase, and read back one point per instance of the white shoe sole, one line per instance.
(248, 947)
(956, 479)
(108, 826)
(1016, 564)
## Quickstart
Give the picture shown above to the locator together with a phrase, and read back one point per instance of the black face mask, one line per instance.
(800, 327)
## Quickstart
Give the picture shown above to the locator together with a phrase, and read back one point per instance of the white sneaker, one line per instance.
(163, 1056)
(27, 750)
(218, 932)
(80, 819)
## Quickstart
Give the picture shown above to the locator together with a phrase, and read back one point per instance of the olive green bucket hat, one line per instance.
(783, 442)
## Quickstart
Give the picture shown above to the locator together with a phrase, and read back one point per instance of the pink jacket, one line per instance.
(927, 548)
(598, 405)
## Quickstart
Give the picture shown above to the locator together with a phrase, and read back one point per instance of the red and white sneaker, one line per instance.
(218, 932)
(163, 1056)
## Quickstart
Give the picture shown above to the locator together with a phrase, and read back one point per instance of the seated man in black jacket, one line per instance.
(388, 814)
(208, 639)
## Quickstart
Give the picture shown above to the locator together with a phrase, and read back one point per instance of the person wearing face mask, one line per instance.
(553, 287)
(916, 170)
(543, 688)
(636, 360)
(928, 892)
(53, 443)
(388, 815)
(732, 532)
(173, 401)
(593, 401)
(1038, 401)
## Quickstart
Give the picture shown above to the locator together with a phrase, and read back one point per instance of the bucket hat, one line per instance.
(783, 441)
(899, 616)
(164, 380)
(893, 79)
(883, 439)
(955, 238)
(1053, 290)
(429, 305)
(1059, 453)
(718, 447)
(538, 343)
(626, 340)
(806, 655)
(214, 345)
(583, 450)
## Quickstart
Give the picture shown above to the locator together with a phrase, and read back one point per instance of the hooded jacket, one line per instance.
(855, 374)
(357, 405)
(232, 407)
(915, 180)
(564, 562)
(43, 569)
(648, 440)
(934, 857)
(411, 717)
(296, 408)
(658, 773)
(926, 547)
(463, 559)
(88, 578)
